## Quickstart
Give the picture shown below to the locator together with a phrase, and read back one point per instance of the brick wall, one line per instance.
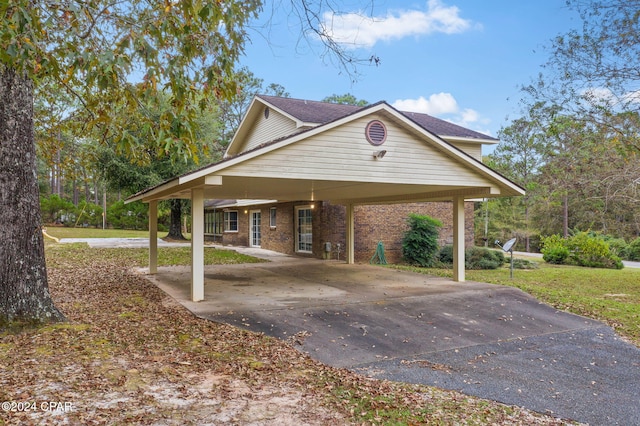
(241, 237)
(281, 238)
(386, 223)
(332, 228)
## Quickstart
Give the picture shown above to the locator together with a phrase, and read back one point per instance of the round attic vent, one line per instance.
(376, 132)
(266, 112)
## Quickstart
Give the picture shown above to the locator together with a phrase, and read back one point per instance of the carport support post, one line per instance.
(350, 235)
(458, 239)
(197, 244)
(153, 237)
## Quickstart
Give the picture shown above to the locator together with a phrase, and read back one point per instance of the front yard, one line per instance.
(131, 355)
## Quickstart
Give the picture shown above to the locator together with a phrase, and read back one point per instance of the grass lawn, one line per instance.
(68, 232)
(70, 255)
(612, 296)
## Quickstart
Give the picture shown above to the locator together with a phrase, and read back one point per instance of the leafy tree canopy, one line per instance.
(95, 49)
(232, 110)
(593, 73)
(346, 99)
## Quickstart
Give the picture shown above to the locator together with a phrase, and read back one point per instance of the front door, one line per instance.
(254, 228)
(304, 234)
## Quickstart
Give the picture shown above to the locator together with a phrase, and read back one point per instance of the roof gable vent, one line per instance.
(376, 132)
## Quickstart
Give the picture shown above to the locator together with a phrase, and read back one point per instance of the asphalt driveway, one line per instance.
(490, 341)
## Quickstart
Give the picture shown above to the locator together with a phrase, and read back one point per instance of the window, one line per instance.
(231, 221)
(213, 220)
(272, 217)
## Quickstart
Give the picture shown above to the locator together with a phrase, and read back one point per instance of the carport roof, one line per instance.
(268, 171)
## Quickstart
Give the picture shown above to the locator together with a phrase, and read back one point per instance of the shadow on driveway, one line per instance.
(485, 340)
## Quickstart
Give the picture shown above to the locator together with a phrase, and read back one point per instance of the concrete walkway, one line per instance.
(121, 242)
(491, 341)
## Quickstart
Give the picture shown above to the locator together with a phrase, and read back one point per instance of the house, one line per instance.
(329, 180)
(271, 224)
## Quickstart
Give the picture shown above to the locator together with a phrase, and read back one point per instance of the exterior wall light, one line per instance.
(377, 155)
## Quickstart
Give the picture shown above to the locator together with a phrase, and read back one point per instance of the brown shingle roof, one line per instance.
(324, 112)
(311, 111)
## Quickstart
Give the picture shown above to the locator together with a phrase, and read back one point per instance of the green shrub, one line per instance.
(581, 249)
(56, 210)
(475, 257)
(554, 249)
(128, 216)
(89, 214)
(420, 242)
(618, 246)
(592, 251)
(445, 255)
(633, 250)
(483, 258)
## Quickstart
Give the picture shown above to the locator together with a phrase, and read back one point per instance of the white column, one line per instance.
(153, 237)
(197, 244)
(350, 235)
(458, 239)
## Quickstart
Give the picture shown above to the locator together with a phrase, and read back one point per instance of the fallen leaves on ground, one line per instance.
(129, 354)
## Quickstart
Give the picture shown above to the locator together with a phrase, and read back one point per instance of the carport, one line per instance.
(334, 162)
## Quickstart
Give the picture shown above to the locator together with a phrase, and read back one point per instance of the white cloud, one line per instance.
(469, 115)
(604, 96)
(444, 106)
(598, 95)
(361, 30)
(437, 104)
(633, 97)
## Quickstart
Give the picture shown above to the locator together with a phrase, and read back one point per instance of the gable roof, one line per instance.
(315, 112)
(267, 171)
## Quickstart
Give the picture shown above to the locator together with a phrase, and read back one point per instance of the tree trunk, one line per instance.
(527, 238)
(52, 179)
(59, 171)
(24, 292)
(565, 216)
(87, 191)
(76, 195)
(95, 191)
(175, 227)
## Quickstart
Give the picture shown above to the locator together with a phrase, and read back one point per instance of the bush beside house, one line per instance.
(420, 242)
(420, 247)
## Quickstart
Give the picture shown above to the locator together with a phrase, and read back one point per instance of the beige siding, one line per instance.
(473, 149)
(343, 153)
(268, 129)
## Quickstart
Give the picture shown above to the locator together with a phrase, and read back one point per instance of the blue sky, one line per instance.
(460, 60)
